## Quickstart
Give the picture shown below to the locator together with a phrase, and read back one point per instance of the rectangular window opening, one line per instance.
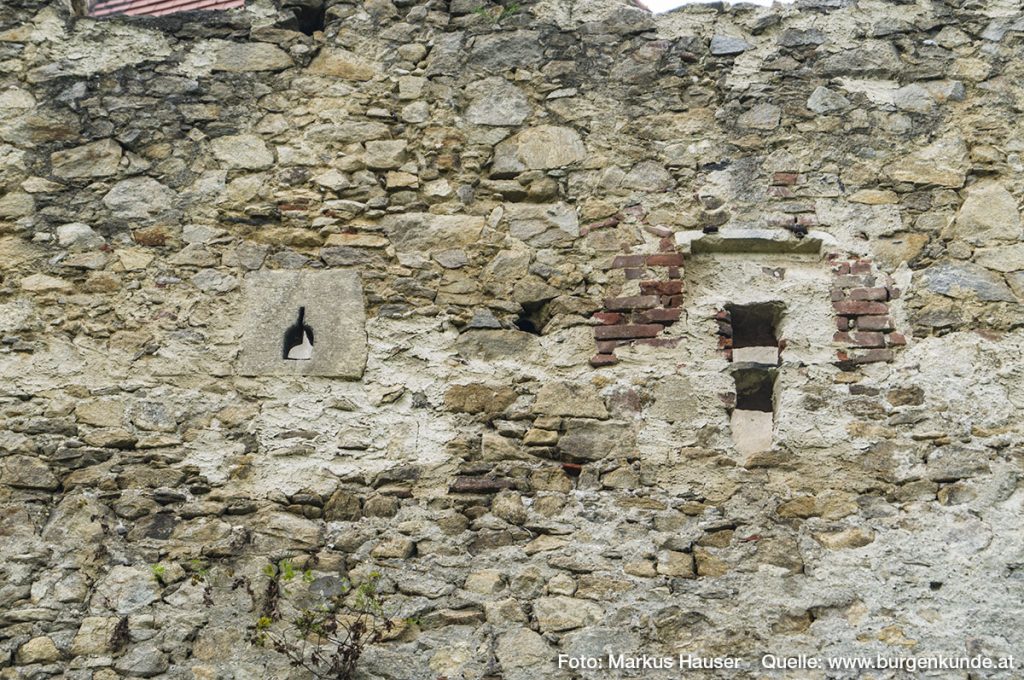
(754, 335)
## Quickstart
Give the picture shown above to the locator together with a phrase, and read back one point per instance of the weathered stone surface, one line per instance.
(424, 232)
(125, 590)
(385, 154)
(760, 117)
(589, 440)
(37, 650)
(95, 636)
(943, 162)
(495, 101)
(144, 661)
(340, 63)
(236, 57)
(1001, 258)
(966, 280)
(138, 198)
(242, 151)
(538, 148)
(825, 101)
(988, 212)
(478, 398)
(565, 613)
(26, 472)
(722, 45)
(78, 236)
(523, 649)
(566, 399)
(97, 159)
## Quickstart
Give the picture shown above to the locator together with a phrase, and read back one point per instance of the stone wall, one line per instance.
(547, 207)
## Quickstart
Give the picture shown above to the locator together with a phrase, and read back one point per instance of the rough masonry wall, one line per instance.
(505, 183)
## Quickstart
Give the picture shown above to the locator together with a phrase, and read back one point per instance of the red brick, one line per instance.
(631, 302)
(843, 323)
(868, 339)
(657, 230)
(671, 300)
(861, 267)
(608, 318)
(665, 260)
(603, 360)
(666, 245)
(785, 178)
(842, 336)
(841, 269)
(603, 224)
(872, 356)
(837, 294)
(621, 261)
(658, 316)
(874, 323)
(877, 293)
(634, 274)
(627, 332)
(858, 307)
(896, 339)
(673, 273)
(723, 315)
(661, 287)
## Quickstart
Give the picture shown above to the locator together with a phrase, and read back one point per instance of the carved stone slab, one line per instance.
(334, 310)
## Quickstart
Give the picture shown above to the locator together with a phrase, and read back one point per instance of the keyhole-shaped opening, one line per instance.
(298, 339)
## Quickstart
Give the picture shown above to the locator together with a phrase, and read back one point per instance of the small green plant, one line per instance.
(497, 14)
(158, 572)
(328, 634)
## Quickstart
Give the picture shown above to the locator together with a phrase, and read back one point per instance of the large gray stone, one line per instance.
(242, 151)
(341, 63)
(243, 57)
(334, 309)
(98, 159)
(988, 212)
(943, 162)
(125, 590)
(589, 440)
(966, 280)
(78, 236)
(724, 45)
(760, 117)
(824, 101)
(538, 148)
(495, 101)
(426, 232)
(565, 613)
(1001, 258)
(138, 198)
(579, 400)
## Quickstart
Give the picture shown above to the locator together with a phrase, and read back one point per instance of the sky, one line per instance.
(657, 6)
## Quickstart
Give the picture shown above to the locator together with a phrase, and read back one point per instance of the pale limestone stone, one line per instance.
(538, 148)
(242, 57)
(495, 101)
(94, 636)
(751, 430)
(242, 151)
(943, 162)
(43, 283)
(1002, 258)
(97, 159)
(340, 63)
(988, 212)
(561, 613)
(485, 582)
(37, 650)
(424, 232)
(101, 412)
(846, 539)
(138, 198)
(579, 400)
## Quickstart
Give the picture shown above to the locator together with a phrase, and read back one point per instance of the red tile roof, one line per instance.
(101, 8)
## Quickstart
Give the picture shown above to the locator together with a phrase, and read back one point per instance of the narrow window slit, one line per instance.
(298, 339)
(754, 343)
